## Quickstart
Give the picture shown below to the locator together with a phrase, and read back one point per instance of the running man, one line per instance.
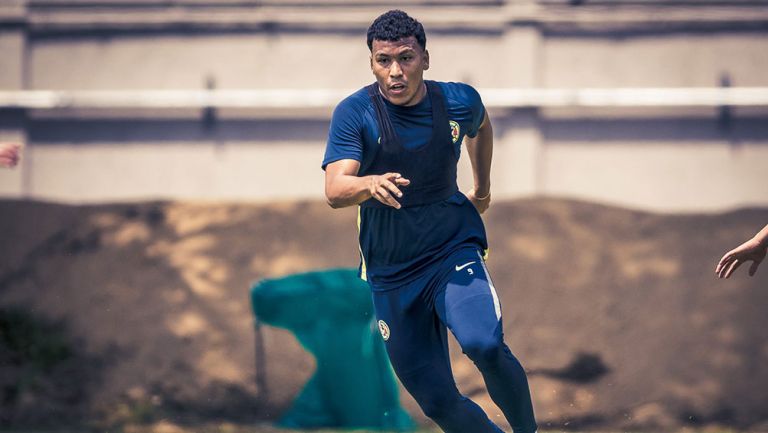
(392, 149)
(752, 250)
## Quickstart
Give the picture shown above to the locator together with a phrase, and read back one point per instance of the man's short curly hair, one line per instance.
(395, 25)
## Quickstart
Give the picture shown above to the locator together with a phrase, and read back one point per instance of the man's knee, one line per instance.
(439, 405)
(483, 351)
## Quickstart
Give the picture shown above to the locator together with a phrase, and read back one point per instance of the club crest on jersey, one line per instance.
(384, 329)
(454, 130)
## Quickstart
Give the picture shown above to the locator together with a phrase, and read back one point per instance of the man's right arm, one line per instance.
(343, 187)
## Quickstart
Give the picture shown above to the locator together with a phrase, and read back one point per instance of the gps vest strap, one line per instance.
(431, 168)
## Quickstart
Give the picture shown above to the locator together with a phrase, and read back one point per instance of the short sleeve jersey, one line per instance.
(397, 244)
(354, 129)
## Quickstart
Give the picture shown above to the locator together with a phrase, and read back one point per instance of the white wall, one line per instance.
(580, 153)
(669, 60)
(108, 172)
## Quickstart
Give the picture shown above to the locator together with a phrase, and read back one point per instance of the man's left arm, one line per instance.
(480, 150)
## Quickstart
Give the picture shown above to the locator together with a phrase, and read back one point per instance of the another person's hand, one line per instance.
(9, 154)
(751, 250)
(480, 203)
(384, 188)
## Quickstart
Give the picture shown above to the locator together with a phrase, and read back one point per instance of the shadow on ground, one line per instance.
(616, 314)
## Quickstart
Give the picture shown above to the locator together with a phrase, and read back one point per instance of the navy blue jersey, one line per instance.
(354, 132)
(398, 244)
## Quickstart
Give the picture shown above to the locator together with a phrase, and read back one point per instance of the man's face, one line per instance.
(399, 68)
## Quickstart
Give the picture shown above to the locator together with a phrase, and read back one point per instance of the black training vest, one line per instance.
(431, 168)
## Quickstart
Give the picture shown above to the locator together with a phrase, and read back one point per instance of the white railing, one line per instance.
(326, 98)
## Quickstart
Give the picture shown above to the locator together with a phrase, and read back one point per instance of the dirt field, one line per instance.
(166, 427)
(140, 313)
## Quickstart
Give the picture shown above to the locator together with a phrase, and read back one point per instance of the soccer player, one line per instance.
(752, 250)
(9, 154)
(392, 149)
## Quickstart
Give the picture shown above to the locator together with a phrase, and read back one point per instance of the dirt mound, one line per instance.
(617, 314)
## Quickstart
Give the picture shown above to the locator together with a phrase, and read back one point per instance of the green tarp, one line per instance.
(331, 314)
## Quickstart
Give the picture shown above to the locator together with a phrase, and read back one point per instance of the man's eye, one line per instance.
(406, 58)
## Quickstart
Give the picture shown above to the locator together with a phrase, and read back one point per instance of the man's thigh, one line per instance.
(413, 334)
(468, 303)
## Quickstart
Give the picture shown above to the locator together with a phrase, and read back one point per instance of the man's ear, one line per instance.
(426, 60)
(370, 61)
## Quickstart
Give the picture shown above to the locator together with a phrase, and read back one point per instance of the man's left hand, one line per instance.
(480, 203)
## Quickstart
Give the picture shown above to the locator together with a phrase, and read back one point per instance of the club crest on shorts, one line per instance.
(384, 329)
(455, 129)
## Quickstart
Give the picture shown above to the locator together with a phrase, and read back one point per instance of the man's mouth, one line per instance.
(397, 88)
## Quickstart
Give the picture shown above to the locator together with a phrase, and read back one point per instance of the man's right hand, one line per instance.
(343, 187)
(384, 188)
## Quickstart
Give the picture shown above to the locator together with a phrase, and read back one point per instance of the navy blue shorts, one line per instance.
(413, 318)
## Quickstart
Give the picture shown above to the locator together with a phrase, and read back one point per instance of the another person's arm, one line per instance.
(343, 187)
(9, 154)
(752, 250)
(480, 150)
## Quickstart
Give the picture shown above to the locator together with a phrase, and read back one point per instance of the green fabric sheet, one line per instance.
(331, 314)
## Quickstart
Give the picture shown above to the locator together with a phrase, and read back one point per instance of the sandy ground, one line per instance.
(616, 313)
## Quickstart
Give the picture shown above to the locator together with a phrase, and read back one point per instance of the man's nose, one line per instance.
(394, 70)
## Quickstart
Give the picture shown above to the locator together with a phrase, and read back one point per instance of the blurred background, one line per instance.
(172, 155)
